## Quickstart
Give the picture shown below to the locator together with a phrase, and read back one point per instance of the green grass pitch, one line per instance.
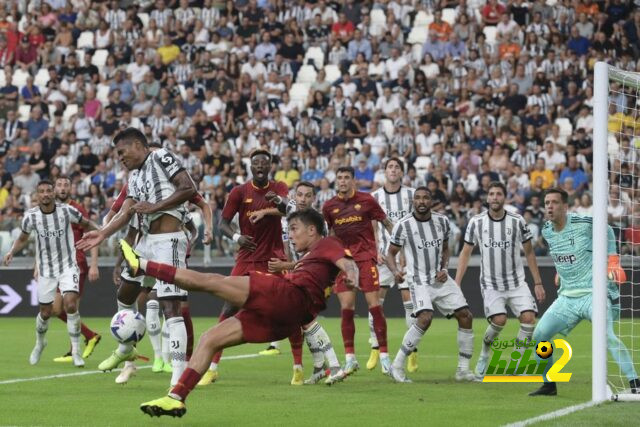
(256, 391)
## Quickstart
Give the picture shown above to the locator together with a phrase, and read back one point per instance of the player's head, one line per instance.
(344, 179)
(496, 196)
(45, 193)
(393, 170)
(62, 188)
(131, 147)
(556, 204)
(305, 195)
(422, 199)
(260, 166)
(305, 228)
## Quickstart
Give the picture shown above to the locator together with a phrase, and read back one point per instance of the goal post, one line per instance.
(616, 169)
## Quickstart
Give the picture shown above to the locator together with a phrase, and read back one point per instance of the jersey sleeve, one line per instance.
(232, 206)
(447, 228)
(168, 163)
(376, 212)
(398, 236)
(611, 241)
(470, 233)
(27, 225)
(74, 215)
(525, 232)
(333, 250)
(327, 216)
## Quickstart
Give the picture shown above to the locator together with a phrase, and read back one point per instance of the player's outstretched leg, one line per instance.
(549, 325)
(188, 324)
(225, 334)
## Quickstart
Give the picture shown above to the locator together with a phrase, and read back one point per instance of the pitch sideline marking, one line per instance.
(555, 414)
(82, 373)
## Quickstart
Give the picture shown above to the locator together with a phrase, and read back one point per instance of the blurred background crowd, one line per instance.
(465, 92)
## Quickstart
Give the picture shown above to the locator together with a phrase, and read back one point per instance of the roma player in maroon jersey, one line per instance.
(91, 339)
(349, 216)
(271, 307)
(259, 241)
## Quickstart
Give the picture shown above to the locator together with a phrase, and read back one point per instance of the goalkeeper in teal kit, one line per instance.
(569, 237)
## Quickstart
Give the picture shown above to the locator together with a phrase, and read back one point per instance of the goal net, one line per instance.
(616, 179)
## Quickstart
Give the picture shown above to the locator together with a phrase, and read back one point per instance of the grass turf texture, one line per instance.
(256, 391)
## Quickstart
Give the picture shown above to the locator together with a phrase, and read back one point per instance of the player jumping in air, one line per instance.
(56, 263)
(424, 238)
(271, 307)
(500, 235)
(570, 241)
(349, 216)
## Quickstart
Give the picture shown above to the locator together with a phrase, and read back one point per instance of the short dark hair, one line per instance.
(308, 217)
(347, 169)
(44, 182)
(131, 134)
(260, 152)
(423, 188)
(306, 184)
(67, 177)
(555, 190)
(498, 184)
(394, 159)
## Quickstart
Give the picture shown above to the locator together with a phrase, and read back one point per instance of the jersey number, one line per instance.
(75, 278)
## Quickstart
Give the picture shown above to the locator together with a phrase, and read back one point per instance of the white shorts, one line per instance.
(446, 297)
(518, 300)
(387, 280)
(68, 281)
(168, 248)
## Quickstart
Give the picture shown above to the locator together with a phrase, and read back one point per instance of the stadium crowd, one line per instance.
(465, 92)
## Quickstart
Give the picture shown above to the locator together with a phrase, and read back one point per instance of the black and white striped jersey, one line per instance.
(396, 205)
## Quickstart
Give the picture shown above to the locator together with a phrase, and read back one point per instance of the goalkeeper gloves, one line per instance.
(614, 270)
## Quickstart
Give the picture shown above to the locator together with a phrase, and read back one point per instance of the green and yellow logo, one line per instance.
(522, 367)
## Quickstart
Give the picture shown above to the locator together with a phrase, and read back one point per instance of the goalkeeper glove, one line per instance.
(614, 270)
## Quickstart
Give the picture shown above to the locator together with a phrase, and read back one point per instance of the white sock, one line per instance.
(465, 348)
(213, 366)
(124, 348)
(408, 313)
(165, 343)
(490, 334)
(178, 338)
(73, 327)
(154, 327)
(526, 331)
(123, 306)
(372, 333)
(274, 344)
(41, 329)
(320, 339)
(314, 346)
(410, 341)
(350, 357)
(129, 364)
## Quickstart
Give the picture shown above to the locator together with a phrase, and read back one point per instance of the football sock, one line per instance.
(73, 327)
(41, 328)
(408, 313)
(165, 343)
(185, 384)
(380, 327)
(373, 339)
(320, 346)
(327, 348)
(164, 272)
(490, 334)
(124, 348)
(525, 332)
(186, 315)
(410, 341)
(216, 357)
(348, 330)
(274, 344)
(154, 327)
(213, 366)
(316, 352)
(86, 332)
(296, 346)
(465, 348)
(178, 337)
(123, 306)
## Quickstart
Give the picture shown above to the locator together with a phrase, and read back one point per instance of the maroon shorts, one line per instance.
(243, 268)
(369, 280)
(274, 310)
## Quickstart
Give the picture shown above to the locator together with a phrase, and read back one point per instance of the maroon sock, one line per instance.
(86, 332)
(296, 346)
(218, 355)
(348, 330)
(379, 327)
(164, 272)
(63, 316)
(186, 315)
(186, 383)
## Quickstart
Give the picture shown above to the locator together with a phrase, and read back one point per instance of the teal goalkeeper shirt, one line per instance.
(571, 250)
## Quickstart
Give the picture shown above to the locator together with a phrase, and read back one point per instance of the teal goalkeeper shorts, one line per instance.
(571, 311)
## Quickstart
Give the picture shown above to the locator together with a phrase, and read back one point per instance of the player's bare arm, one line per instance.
(17, 246)
(387, 224)
(185, 189)
(94, 237)
(443, 274)
(258, 215)
(244, 241)
(349, 267)
(279, 201)
(207, 217)
(463, 262)
(130, 238)
(276, 265)
(374, 224)
(193, 233)
(538, 289)
(398, 272)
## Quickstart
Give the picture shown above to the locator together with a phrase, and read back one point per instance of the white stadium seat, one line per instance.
(306, 74)
(387, 128)
(20, 77)
(423, 19)
(70, 111)
(449, 15)
(422, 164)
(23, 112)
(144, 17)
(85, 41)
(418, 35)
(99, 58)
(332, 72)
(566, 128)
(378, 17)
(102, 93)
(317, 54)
(416, 52)
(490, 34)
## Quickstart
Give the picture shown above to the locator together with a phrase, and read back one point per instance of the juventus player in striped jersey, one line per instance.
(56, 262)
(397, 201)
(423, 237)
(158, 188)
(500, 235)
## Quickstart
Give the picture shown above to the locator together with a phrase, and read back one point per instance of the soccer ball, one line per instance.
(128, 326)
(544, 349)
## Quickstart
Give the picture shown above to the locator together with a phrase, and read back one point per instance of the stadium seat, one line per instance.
(449, 15)
(332, 72)
(85, 41)
(70, 111)
(42, 78)
(317, 55)
(23, 112)
(357, 144)
(5, 241)
(422, 19)
(566, 128)
(352, 69)
(306, 74)
(183, 91)
(378, 17)
(387, 128)
(377, 30)
(52, 111)
(416, 52)
(418, 35)
(144, 17)
(20, 77)
(99, 58)
(102, 93)
(3, 81)
(490, 34)
(422, 164)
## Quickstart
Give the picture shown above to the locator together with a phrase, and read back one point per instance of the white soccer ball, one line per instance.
(128, 326)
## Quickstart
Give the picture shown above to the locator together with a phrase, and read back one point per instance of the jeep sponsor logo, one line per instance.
(500, 244)
(426, 244)
(396, 214)
(51, 233)
(564, 259)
